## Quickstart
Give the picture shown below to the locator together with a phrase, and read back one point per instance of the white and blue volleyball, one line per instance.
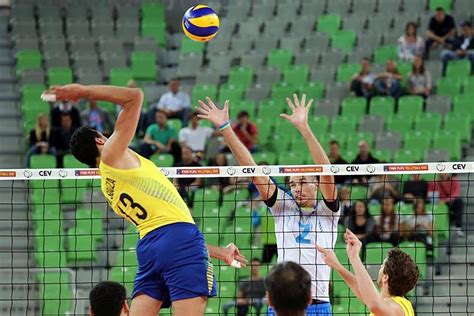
(200, 23)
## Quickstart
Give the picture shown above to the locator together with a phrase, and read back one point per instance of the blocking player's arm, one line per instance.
(299, 119)
(220, 117)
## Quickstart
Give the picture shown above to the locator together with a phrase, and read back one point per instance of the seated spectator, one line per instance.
(419, 80)
(359, 221)
(251, 292)
(187, 186)
(65, 107)
(362, 83)
(97, 118)
(386, 224)
(363, 157)
(346, 205)
(447, 189)
(61, 137)
(246, 131)
(382, 185)
(462, 47)
(160, 138)
(389, 82)
(175, 103)
(410, 44)
(415, 188)
(39, 140)
(419, 226)
(336, 159)
(441, 30)
(108, 298)
(195, 136)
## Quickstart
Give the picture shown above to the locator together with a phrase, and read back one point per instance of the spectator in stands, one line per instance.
(419, 226)
(346, 205)
(40, 138)
(359, 221)
(251, 292)
(415, 188)
(362, 83)
(382, 185)
(288, 289)
(336, 159)
(246, 131)
(160, 138)
(175, 103)
(447, 189)
(65, 107)
(61, 136)
(462, 47)
(108, 298)
(225, 184)
(441, 30)
(410, 44)
(97, 118)
(386, 228)
(195, 136)
(389, 82)
(187, 186)
(419, 80)
(363, 157)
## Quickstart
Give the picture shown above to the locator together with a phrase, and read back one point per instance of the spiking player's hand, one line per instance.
(69, 92)
(353, 244)
(212, 113)
(233, 257)
(300, 110)
(329, 257)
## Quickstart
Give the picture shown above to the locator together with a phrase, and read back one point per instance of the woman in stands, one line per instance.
(386, 229)
(40, 138)
(419, 80)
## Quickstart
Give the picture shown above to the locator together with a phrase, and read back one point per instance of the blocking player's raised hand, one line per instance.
(299, 111)
(209, 111)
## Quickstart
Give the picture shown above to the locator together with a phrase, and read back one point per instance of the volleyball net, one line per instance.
(59, 237)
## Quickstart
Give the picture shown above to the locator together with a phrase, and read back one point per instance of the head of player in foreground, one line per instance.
(108, 298)
(288, 289)
(397, 276)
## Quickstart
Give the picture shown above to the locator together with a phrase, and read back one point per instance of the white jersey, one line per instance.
(297, 234)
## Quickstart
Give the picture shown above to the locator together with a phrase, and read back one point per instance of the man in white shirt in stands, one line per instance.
(195, 136)
(175, 103)
(301, 220)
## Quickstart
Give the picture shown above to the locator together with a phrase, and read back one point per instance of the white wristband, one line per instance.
(48, 97)
(236, 264)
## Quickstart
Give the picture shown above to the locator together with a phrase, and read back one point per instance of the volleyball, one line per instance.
(200, 23)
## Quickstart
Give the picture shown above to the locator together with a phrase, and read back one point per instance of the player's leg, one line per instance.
(190, 307)
(144, 305)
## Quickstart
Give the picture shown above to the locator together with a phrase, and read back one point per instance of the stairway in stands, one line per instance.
(22, 297)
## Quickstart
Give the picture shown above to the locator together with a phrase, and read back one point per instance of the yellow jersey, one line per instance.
(143, 196)
(404, 304)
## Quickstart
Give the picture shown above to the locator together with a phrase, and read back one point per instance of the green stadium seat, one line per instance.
(329, 23)
(376, 252)
(462, 104)
(384, 53)
(49, 251)
(130, 238)
(450, 143)
(71, 162)
(350, 305)
(282, 90)
(154, 29)
(153, 11)
(126, 258)
(280, 58)
(244, 105)
(189, 46)
(90, 221)
(468, 86)
(144, 66)
(353, 139)
(407, 155)
(81, 246)
(410, 105)
(231, 92)
(359, 192)
(43, 161)
(449, 86)
(400, 123)
(268, 157)
(459, 123)
(319, 125)
(59, 76)
(458, 69)
(354, 106)
(445, 4)
(28, 59)
(428, 122)
(291, 158)
(120, 76)
(346, 71)
(56, 293)
(31, 94)
(344, 40)
(73, 190)
(163, 160)
(242, 75)
(201, 91)
(382, 106)
(205, 201)
(313, 90)
(343, 124)
(384, 155)
(375, 209)
(419, 140)
(123, 275)
(296, 74)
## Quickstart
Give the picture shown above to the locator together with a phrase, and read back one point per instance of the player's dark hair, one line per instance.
(289, 288)
(243, 114)
(107, 298)
(83, 146)
(402, 272)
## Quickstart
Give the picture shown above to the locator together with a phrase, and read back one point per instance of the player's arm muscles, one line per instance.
(130, 99)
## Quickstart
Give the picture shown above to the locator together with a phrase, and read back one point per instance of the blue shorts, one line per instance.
(173, 264)
(311, 310)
